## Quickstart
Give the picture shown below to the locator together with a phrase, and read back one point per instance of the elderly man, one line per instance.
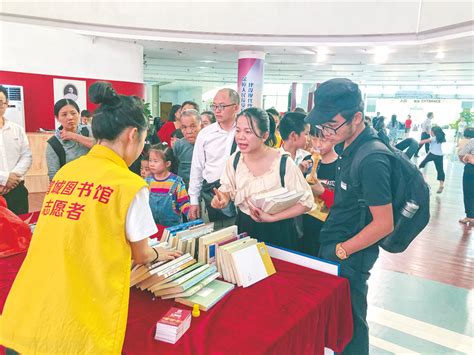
(213, 146)
(183, 148)
(15, 160)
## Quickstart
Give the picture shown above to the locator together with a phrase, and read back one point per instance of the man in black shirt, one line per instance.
(345, 237)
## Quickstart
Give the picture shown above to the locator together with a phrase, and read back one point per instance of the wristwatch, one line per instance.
(341, 252)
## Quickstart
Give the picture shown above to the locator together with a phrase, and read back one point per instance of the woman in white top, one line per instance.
(435, 154)
(256, 169)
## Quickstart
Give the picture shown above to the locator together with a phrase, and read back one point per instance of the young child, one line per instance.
(435, 154)
(169, 200)
(257, 171)
(295, 134)
(323, 192)
(144, 167)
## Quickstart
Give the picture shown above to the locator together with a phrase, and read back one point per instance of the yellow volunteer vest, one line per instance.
(71, 293)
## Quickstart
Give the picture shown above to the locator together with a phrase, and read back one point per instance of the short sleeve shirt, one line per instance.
(343, 221)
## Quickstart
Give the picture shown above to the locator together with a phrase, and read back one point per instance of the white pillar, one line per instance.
(250, 78)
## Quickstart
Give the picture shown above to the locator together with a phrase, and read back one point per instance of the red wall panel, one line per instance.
(39, 95)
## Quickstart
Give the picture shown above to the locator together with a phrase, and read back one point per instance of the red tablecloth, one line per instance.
(295, 311)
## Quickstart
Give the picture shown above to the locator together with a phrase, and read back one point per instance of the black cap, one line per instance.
(332, 97)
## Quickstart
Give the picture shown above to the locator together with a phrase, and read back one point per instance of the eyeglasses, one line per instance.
(329, 131)
(221, 107)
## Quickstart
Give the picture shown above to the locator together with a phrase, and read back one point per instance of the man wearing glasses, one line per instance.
(15, 160)
(213, 146)
(345, 238)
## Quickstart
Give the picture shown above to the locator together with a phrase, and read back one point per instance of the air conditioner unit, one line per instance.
(16, 108)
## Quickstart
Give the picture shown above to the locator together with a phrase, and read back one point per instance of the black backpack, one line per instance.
(410, 195)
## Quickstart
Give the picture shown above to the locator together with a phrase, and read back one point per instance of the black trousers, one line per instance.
(17, 199)
(356, 269)
(438, 160)
(411, 146)
(311, 231)
(424, 135)
(468, 189)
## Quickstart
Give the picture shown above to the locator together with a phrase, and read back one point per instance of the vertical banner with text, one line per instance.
(250, 78)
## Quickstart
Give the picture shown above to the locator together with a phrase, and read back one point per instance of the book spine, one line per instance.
(199, 278)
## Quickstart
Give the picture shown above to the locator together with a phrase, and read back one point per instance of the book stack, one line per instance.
(207, 256)
(173, 325)
(207, 296)
(244, 261)
(171, 232)
(276, 201)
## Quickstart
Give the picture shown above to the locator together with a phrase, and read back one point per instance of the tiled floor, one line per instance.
(422, 301)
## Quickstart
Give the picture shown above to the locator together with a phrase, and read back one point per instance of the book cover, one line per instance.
(181, 279)
(192, 290)
(208, 296)
(276, 205)
(259, 199)
(223, 256)
(179, 274)
(157, 274)
(209, 238)
(171, 231)
(228, 261)
(249, 265)
(174, 317)
(187, 284)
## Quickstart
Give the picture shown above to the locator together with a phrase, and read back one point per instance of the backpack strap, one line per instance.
(236, 160)
(373, 146)
(234, 147)
(284, 158)
(85, 131)
(58, 149)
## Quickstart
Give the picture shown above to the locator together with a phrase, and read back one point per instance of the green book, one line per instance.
(187, 281)
(207, 296)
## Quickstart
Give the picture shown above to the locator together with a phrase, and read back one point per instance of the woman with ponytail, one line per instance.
(71, 294)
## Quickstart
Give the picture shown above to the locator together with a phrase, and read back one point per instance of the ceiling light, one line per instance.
(323, 50)
(381, 54)
(208, 61)
(440, 55)
(322, 54)
(321, 57)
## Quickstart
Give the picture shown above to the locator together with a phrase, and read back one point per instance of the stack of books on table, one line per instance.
(173, 325)
(207, 255)
(244, 261)
(208, 296)
(276, 201)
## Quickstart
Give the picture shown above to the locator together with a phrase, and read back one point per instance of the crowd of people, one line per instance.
(194, 165)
